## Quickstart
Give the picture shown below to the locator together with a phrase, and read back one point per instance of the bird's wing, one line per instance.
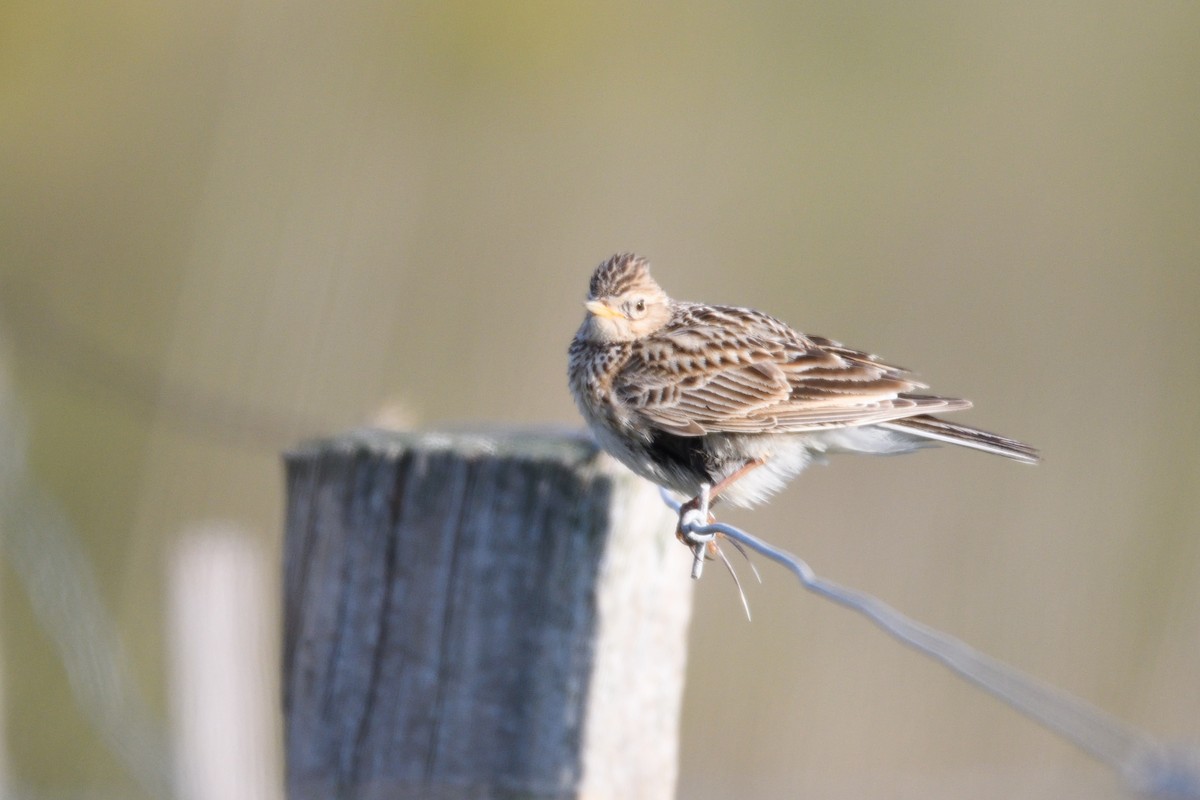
(735, 370)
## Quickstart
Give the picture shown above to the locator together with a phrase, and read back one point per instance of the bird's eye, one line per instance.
(636, 309)
(639, 306)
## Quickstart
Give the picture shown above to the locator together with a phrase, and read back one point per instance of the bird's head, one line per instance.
(624, 303)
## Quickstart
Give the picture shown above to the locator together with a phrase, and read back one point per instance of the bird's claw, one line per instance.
(693, 516)
(690, 523)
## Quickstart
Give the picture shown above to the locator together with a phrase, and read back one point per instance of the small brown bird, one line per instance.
(734, 403)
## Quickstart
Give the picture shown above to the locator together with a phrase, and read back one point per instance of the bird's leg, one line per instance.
(709, 494)
(695, 514)
(733, 478)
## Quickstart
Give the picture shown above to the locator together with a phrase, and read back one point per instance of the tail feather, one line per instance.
(937, 429)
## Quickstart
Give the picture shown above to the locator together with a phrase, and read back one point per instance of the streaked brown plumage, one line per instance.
(687, 394)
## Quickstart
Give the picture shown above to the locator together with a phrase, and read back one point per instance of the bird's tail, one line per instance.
(939, 430)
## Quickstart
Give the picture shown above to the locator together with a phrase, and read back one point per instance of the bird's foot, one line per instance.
(694, 516)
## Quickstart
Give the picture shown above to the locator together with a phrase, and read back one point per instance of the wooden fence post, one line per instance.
(479, 616)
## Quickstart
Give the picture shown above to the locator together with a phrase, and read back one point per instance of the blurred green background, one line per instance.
(227, 226)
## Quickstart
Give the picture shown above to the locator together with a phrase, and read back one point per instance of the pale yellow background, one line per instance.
(227, 226)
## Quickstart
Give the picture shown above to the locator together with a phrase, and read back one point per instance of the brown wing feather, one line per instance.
(722, 369)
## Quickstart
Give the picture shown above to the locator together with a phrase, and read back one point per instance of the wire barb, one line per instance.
(691, 523)
(1146, 765)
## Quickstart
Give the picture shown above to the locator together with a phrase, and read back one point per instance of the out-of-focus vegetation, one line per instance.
(226, 226)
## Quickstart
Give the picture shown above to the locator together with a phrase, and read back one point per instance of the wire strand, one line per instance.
(1144, 764)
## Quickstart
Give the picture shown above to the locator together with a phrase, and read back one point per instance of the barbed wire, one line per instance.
(1146, 765)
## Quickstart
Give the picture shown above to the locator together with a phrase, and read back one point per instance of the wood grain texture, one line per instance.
(479, 616)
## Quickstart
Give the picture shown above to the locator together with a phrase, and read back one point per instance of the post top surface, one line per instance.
(564, 445)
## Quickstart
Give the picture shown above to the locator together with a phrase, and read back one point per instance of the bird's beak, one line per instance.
(600, 309)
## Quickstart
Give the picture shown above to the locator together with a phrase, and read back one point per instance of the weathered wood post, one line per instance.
(479, 616)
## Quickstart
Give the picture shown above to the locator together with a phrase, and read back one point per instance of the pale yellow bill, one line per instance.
(601, 310)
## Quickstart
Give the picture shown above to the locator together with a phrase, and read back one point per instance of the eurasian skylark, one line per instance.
(718, 401)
